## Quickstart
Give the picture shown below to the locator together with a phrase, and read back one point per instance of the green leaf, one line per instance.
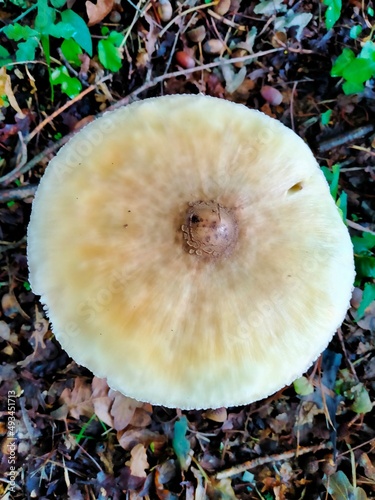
(370, 11)
(62, 30)
(358, 71)
(355, 31)
(180, 443)
(71, 86)
(334, 184)
(4, 56)
(362, 401)
(71, 51)
(342, 205)
(17, 32)
(109, 55)
(325, 117)
(367, 298)
(58, 3)
(333, 12)
(365, 266)
(45, 18)
(343, 60)
(303, 387)
(82, 34)
(353, 88)
(368, 52)
(26, 50)
(364, 244)
(338, 485)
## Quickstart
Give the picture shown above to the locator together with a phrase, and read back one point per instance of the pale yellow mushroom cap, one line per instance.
(188, 249)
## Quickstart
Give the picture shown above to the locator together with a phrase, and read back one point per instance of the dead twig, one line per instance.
(67, 105)
(19, 193)
(342, 139)
(358, 227)
(278, 457)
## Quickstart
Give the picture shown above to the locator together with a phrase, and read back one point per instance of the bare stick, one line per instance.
(251, 464)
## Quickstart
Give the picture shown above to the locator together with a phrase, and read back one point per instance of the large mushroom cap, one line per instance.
(188, 250)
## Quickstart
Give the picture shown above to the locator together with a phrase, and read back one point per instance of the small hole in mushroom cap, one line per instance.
(295, 188)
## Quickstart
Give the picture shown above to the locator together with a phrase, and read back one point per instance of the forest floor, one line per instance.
(310, 65)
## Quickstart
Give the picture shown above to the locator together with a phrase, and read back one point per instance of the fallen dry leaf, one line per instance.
(123, 409)
(101, 400)
(138, 461)
(97, 12)
(78, 400)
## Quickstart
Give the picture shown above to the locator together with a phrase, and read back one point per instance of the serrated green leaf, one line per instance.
(180, 443)
(109, 55)
(62, 30)
(26, 50)
(45, 18)
(18, 32)
(358, 71)
(4, 56)
(367, 298)
(303, 387)
(333, 12)
(71, 51)
(343, 60)
(82, 34)
(362, 401)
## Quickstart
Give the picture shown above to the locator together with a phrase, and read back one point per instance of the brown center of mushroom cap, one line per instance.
(210, 229)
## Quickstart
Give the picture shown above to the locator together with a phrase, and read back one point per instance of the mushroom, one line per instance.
(188, 250)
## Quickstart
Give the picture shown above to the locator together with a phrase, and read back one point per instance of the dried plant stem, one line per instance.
(251, 464)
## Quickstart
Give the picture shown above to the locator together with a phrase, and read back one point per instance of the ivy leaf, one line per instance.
(81, 34)
(343, 60)
(18, 32)
(353, 88)
(367, 298)
(180, 443)
(26, 50)
(358, 71)
(333, 12)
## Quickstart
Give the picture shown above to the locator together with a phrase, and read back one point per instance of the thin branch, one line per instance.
(67, 105)
(19, 193)
(251, 464)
